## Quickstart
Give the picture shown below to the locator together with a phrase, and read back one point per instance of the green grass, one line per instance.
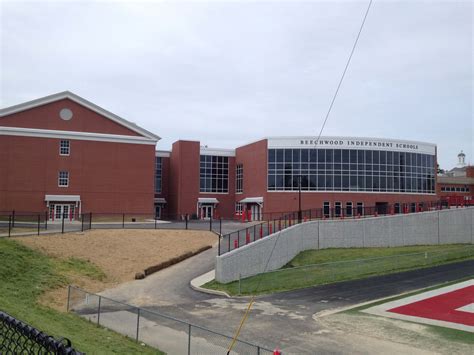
(316, 267)
(446, 333)
(25, 274)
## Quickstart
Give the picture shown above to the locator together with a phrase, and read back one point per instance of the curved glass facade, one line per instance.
(350, 170)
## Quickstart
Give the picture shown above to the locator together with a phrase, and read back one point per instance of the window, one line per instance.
(327, 209)
(350, 170)
(238, 208)
(158, 173)
(349, 209)
(413, 207)
(239, 178)
(214, 174)
(337, 209)
(64, 147)
(63, 179)
(360, 208)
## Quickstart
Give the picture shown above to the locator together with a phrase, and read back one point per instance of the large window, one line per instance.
(239, 178)
(158, 173)
(350, 170)
(214, 174)
(63, 179)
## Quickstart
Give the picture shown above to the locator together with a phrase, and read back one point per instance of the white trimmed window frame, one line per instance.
(238, 208)
(65, 147)
(63, 179)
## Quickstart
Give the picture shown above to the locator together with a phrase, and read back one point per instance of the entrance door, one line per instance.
(206, 211)
(158, 211)
(60, 211)
(255, 211)
(381, 207)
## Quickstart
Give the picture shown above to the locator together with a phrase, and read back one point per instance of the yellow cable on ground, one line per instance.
(244, 318)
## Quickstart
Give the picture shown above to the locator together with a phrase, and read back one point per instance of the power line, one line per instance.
(245, 316)
(345, 69)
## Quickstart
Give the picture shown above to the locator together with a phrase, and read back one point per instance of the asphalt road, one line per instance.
(284, 319)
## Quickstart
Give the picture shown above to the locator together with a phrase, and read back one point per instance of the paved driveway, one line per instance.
(286, 319)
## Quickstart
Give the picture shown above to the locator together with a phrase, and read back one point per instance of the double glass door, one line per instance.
(60, 211)
(206, 211)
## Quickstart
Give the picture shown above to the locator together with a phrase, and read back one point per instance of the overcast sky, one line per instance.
(227, 73)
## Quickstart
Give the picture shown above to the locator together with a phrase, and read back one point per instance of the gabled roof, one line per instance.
(81, 101)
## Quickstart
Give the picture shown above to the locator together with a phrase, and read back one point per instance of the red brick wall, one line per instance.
(184, 171)
(107, 176)
(47, 117)
(470, 171)
(184, 182)
(288, 201)
(254, 159)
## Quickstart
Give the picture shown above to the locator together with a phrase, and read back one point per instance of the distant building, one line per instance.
(456, 186)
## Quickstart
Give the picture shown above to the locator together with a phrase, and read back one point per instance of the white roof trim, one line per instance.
(207, 200)
(81, 101)
(218, 152)
(163, 153)
(64, 198)
(160, 200)
(252, 200)
(85, 136)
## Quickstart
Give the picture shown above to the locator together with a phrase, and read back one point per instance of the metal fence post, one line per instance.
(219, 247)
(123, 220)
(62, 223)
(189, 339)
(90, 220)
(68, 297)
(220, 226)
(98, 311)
(38, 224)
(82, 222)
(46, 220)
(13, 219)
(210, 224)
(186, 220)
(138, 323)
(9, 225)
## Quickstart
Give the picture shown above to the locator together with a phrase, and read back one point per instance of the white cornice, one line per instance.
(85, 136)
(217, 151)
(163, 153)
(81, 101)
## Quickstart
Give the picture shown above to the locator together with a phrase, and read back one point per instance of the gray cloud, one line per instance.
(227, 73)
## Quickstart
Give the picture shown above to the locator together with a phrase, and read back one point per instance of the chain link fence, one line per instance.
(169, 334)
(22, 222)
(17, 337)
(324, 273)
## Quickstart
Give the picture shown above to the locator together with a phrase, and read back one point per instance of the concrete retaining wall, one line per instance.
(425, 228)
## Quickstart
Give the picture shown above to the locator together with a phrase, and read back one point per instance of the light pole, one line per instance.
(299, 200)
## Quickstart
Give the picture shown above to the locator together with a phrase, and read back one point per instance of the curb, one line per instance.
(197, 282)
(155, 268)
